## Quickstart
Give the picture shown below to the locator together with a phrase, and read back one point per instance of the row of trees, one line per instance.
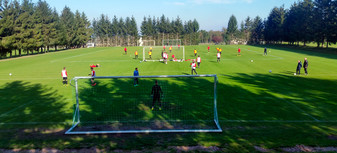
(115, 32)
(305, 21)
(32, 27)
(123, 32)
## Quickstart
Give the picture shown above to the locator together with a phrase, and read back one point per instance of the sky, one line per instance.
(210, 14)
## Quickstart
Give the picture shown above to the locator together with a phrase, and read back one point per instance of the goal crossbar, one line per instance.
(77, 121)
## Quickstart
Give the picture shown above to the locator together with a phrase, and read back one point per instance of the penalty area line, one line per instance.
(6, 113)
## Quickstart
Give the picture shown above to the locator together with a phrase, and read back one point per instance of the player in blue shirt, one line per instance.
(135, 73)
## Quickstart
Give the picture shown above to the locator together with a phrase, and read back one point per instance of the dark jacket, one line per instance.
(299, 65)
(305, 64)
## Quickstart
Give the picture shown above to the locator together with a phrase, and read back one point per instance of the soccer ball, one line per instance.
(269, 71)
(140, 61)
(294, 73)
(10, 74)
(251, 61)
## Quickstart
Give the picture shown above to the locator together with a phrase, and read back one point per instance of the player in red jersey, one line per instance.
(125, 50)
(239, 52)
(164, 47)
(64, 76)
(93, 75)
(208, 48)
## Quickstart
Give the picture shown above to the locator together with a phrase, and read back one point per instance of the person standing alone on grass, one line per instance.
(299, 66)
(125, 50)
(195, 52)
(199, 61)
(93, 75)
(155, 93)
(193, 66)
(135, 73)
(305, 66)
(218, 55)
(265, 51)
(208, 48)
(64, 76)
(239, 52)
(136, 55)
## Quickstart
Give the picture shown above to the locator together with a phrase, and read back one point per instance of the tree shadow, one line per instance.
(330, 53)
(253, 99)
(284, 97)
(27, 108)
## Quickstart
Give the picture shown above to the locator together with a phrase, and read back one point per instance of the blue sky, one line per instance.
(211, 14)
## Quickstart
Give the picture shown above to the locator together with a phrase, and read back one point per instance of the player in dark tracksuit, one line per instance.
(265, 51)
(298, 69)
(156, 91)
(305, 66)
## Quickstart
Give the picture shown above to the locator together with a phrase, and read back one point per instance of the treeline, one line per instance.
(27, 27)
(123, 32)
(305, 21)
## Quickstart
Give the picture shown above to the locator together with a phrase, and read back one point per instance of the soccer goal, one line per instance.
(148, 43)
(171, 42)
(188, 103)
(157, 52)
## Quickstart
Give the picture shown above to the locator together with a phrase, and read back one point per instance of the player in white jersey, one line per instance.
(64, 76)
(165, 56)
(218, 55)
(193, 66)
(198, 61)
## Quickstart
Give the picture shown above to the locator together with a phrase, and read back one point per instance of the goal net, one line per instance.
(188, 103)
(171, 42)
(157, 53)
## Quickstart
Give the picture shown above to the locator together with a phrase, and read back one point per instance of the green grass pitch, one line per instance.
(260, 101)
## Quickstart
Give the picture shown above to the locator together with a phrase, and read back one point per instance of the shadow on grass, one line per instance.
(23, 102)
(279, 97)
(246, 97)
(330, 53)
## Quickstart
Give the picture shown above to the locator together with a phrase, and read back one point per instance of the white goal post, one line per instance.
(114, 105)
(156, 53)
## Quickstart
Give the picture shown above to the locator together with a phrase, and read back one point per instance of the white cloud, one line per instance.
(219, 1)
(178, 3)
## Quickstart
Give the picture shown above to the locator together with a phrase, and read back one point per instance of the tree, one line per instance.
(231, 28)
(67, 20)
(274, 25)
(256, 31)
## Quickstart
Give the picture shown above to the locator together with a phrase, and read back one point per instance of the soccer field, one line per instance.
(260, 101)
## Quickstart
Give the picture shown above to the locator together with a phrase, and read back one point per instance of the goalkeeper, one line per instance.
(155, 93)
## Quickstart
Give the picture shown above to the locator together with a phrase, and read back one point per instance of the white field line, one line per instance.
(278, 121)
(53, 61)
(32, 123)
(4, 114)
